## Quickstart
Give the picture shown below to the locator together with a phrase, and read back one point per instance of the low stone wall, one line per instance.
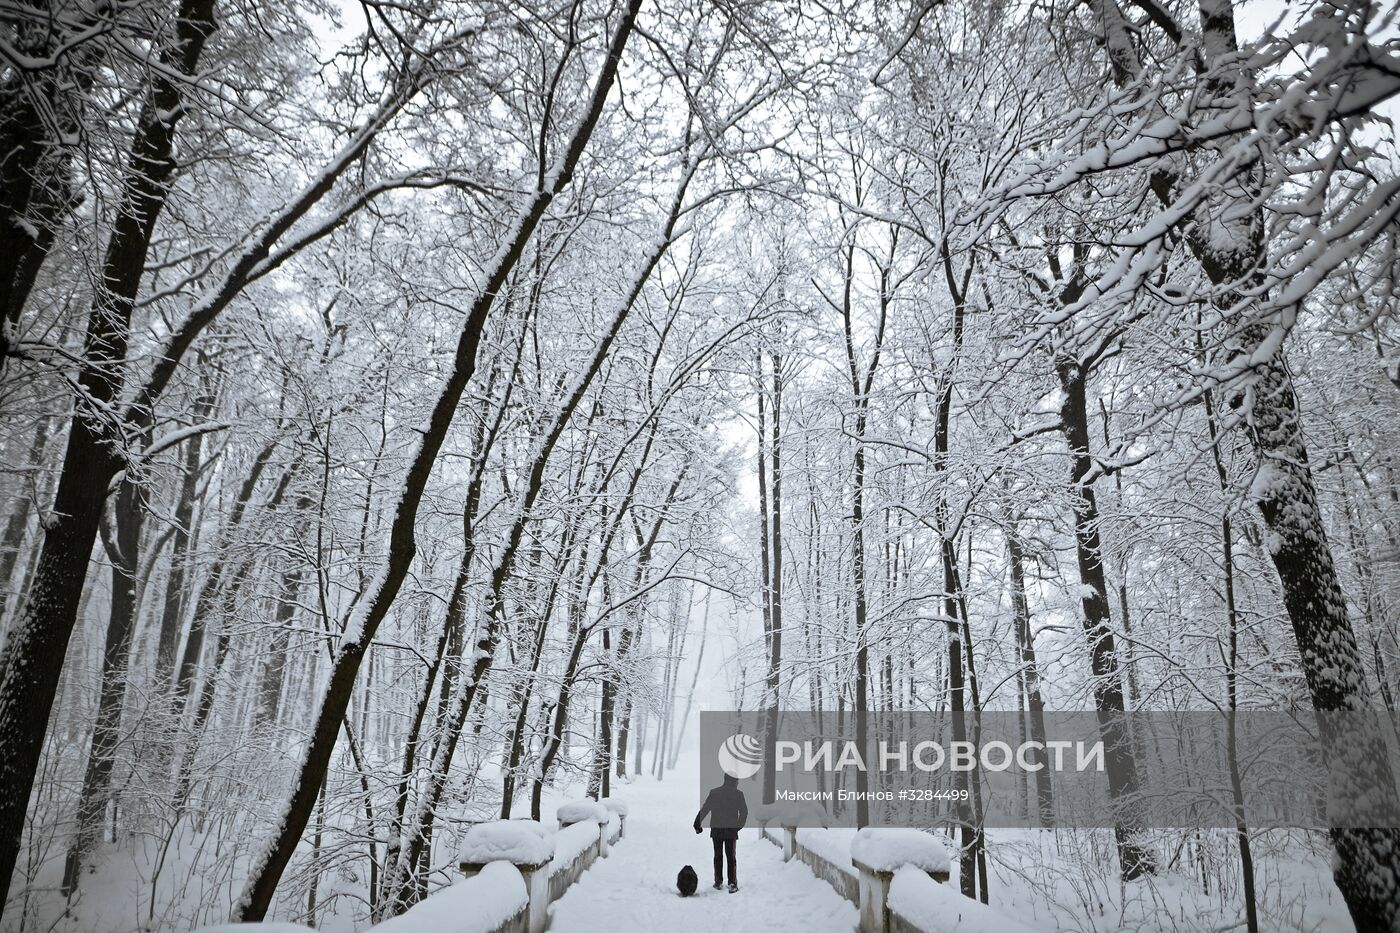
(564, 872)
(846, 884)
(575, 861)
(935, 907)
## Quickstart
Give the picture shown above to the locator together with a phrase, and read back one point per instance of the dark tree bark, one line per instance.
(40, 110)
(1226, 237)
(775, 587)
(600, 775)
(971, 851)
(33, 655)
(765, 569)
(624, 733)
(861, 384)
(1030, 675)
(1135, 858)
(447, 657)
(1367, 869)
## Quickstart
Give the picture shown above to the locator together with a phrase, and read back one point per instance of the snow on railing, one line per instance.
(493, 899)
(579, 845)
(897, 877)
(917, 905)
(589, 812)
(513, 870)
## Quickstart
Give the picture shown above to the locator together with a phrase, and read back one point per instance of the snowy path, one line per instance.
(634, 888)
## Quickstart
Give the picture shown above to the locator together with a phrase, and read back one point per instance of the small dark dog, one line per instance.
(687, 881)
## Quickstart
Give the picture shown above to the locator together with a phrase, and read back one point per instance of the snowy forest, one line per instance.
(414, 412)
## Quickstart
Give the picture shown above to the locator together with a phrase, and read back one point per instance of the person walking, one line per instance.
(728, 812)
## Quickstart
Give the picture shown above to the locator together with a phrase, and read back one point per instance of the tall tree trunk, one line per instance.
(446, 662)
(974, 783)
(600, 775)
(1035, 704)
(969, 833)
(94, 797)
(860, 396)
(765, 569)
(971, 854)
(775, 640)
(862, 686)
(1227, 560)
(624, 733)
(1367, 869)
(1135, 858)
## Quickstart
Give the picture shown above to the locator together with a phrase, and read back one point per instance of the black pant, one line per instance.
(724, 852)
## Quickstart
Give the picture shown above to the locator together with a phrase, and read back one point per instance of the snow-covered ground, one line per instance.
(1063, 881)
(1038, 881)
(634, 888)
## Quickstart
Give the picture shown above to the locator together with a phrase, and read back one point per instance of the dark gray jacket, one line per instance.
(727, 810)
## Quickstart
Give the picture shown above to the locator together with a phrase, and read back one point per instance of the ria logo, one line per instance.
(740, 756)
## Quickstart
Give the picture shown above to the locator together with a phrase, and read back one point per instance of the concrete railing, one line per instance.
(576, 847)
(512, 894)
(890, 900)
(842, 877)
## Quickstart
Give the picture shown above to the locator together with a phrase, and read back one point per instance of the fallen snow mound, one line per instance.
(614, 805)
(478, 904)
(941, 908)
(523, 842)
(571, 840)
(579, 811)
(891, 849)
